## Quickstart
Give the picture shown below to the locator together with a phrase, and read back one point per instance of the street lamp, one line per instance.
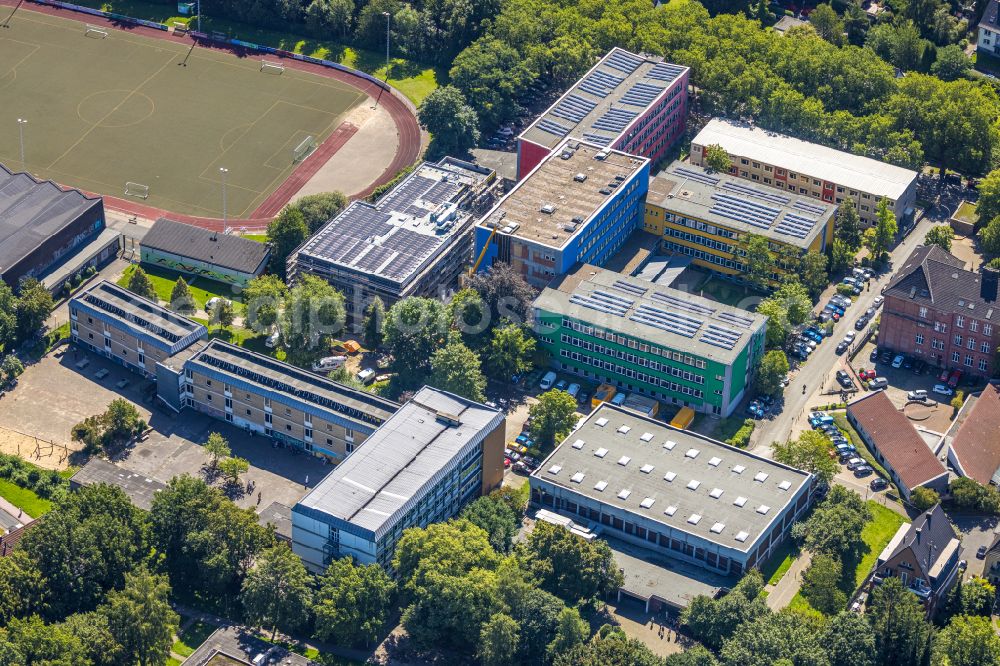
(21, 122)
(199, 15)
(224, 171)
(387, 16)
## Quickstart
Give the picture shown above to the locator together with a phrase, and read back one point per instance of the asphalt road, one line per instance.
(814, 373)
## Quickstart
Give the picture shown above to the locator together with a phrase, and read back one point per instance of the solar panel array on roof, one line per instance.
(405, 193)
(676, 302)
(736, 319)
(698, 176)
(600, 306)
(744, 210)
(795, 225)
(630, 288)
(665, 71)
(773, 197)
(574, 108)
(641, 94)
(720, 336)
(552, 127)
(615, 120)
(623, 61)
(597, 139)
(673, 322)
(809, 207)
(600, 83)
(364, 223)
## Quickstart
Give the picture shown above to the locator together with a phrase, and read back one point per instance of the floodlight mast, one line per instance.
(225, 225)
(21, 122)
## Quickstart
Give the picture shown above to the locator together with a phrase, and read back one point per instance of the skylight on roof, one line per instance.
(669, 446)
(600, 486)
(716, 493)
(578, 444)
(646, 436)
(739, 469)
(577, 478)
(785, 485)
(761, 476)
(694, 518)
(693, 484)
(624, 460)
(601, 422)
(646, 503)
(646, 469)
(742, 536)
(740, 501)
(763, 509)
(718, 527)
(714, 462)
(670, 476)
(624, 493)
(555, 469)
(624, 429)
(601, 452)
(670, 510)
(692, 453)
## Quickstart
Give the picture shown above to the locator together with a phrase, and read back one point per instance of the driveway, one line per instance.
(976, 530)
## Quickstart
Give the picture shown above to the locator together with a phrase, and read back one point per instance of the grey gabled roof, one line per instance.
(927, 537)
(225, 250)
(32, 211)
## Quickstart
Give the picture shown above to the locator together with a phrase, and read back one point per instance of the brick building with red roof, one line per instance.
(975, 445)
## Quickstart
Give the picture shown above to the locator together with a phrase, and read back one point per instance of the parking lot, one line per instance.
(976, 530)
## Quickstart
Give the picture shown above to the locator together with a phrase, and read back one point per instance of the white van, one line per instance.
(366, 376)
(329, 363)
(547, 381)
(272, 340)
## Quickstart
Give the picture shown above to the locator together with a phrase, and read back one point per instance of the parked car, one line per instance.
(866, 374)
(941, 389)
(825, 316)
(981, 553)
(885, 356)
(813, 335)
(366, 376)
(897, 361)
(842, 346)
(878, 383)
(561, 385)
(879, 300)
(329, 363)
(954, 378)
(834, 308)
(873, 357)
(844, 379)
(619, 399)
(755, 410)
(808, 342)
(850, 280)
(907, 362)
(841, 300)
(854, 462)
(547, 381)
(272, 340)
(878, 484)
(919, 394)
(573, 389)
(943, 377)
(862, 471)
(870, 312)
(860, 324)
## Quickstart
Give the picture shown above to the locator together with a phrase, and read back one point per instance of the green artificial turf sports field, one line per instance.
(105, 111)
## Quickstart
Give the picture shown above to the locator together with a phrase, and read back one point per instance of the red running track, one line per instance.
(399, 108)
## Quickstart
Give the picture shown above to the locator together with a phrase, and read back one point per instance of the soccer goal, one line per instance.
(304, 149)
(95, 31)
(180, 28)
(137, 190)
(271, 67)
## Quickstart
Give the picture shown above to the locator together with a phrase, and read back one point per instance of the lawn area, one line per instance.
(164, 279)
(24, 499)
(780, 562)
(966, 212)
(260, 238)
(191, 638)
(172, 662)
(414, 80)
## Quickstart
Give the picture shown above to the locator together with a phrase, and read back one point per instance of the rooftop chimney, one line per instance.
(988, 285)
(918, 530)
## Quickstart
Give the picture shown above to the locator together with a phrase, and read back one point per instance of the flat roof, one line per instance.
(269, 373)
(553, 203)
(649, 575)
(732, 202)
(380, 480)
(137, 312)
(686, 481)
(225, 250)
(140, 489)
(400, 235)
(661, 315)
(836, 166)
(32, 211)
(604, 102)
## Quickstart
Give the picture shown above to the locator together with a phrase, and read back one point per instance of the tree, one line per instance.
(794, 298)
(413, 329)
(31, 641)
(449, 611)
(773, 637)
(34, 306)
(314, 313)
(941, 235)
(883, 232)
(778, 326)
(571, 632)
(371, 326)
(217, 447)
(813, 272)
(754, 253)
(11, 367)
(232, 468)
(497, 518)
(568, 566)
(848, 227)
(827, 24)
(468, 314)
(22, 588)
(967, 493)
(553, 416)
(535, 611)
(122, 420)
(498, 641)
(988, 204)
(140, 617)
(820, 585)
(285, 233)
(452, 123)
(834, 528)
(262, 297)
(140, 284)
(353, 603)
(771, 372)
(897, 618)
(951, 63)
(180, 297)
(276, 593)
(810, 452)
(967, 641)
(615, 649)
(329, 16)
(93, 632)
(8, 315)
(455, 368)
(510, 352)
(717, 159)
(849, 640)
(989, 237)
(223, 313)
(452, 549)
(973, 597)
(318, 209)
(924, 498)
(712, 621)
(693, 656)
(841, 256)
(957, 400)
(505, 293)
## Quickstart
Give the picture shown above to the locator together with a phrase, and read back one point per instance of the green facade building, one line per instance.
(675, 347)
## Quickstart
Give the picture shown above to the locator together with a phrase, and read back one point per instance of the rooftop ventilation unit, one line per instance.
(548, 209)
(580, 177)
(449, 419)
